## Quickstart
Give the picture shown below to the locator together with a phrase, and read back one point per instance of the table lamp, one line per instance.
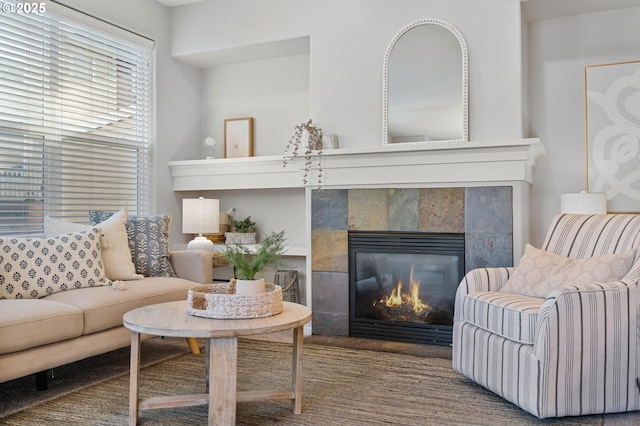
(200, 216)
(584, 203)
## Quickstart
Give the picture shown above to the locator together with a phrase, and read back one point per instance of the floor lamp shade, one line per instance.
(584, 203)
(200, 216)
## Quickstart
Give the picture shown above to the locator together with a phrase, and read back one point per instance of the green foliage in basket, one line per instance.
(244, 226)
(248, 262)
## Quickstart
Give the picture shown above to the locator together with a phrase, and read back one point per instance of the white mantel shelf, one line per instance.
(505, 160)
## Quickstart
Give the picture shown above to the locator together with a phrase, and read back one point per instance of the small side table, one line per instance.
(171, 319)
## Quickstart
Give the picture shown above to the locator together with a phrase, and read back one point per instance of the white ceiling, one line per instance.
(171, 3)
(533, 10)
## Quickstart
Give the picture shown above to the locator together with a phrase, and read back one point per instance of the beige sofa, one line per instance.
(67, 326)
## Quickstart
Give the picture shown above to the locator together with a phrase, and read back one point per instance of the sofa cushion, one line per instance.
(509, 315)
(103, 308)
(36, 267)
(115, 243)
(541, 272)
(148, 238)
(35, 322)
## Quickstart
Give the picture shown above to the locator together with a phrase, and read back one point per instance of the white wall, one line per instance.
(178, 92)
(559, 49)
(348, 42)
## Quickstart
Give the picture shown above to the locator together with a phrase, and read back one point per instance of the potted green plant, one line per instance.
(241, 231)
(248, 262)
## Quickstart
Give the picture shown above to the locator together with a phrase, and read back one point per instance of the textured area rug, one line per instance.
(19, 394)
(340, 387)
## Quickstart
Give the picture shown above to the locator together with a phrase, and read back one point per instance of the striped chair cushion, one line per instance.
(509, 315)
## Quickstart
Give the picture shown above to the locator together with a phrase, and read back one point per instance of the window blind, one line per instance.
(75, 121)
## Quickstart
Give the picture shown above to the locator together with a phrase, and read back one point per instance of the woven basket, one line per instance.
(219, 301)
(288, 280)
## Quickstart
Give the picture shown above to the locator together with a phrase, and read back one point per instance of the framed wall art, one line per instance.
(238, 137)
(612, 128)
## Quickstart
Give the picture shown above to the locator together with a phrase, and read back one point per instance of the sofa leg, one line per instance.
(193, 345)
(41, 380)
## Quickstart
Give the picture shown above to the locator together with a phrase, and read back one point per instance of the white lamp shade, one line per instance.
(584, 203)
(200, 216)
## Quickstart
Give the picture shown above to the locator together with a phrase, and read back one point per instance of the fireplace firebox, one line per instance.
(402, 285)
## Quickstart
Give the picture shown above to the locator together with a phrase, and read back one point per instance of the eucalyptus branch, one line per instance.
(314, 143)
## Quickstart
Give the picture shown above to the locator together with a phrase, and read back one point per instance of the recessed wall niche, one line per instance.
(270, 84)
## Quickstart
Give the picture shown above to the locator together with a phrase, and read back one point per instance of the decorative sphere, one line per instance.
(209, 141)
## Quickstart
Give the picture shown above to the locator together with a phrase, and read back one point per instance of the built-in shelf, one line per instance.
(246, 53)
(234, 173)
(292, 250)
(442, 163)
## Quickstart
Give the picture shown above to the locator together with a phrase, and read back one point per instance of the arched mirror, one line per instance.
(425, 85)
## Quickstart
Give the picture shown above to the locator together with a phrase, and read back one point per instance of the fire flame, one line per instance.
(398, 299)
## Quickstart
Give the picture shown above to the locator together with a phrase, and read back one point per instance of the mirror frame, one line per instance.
(385, 83)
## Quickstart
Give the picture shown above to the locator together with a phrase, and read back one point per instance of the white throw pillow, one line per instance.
(36, 267)
(116, 255)
(540, 272)
(54, 227)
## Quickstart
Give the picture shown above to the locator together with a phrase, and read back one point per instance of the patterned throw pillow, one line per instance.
(540, 272)
(116, 256)
(148, 242)
(598, 269)
(31, 268)
(535, 267)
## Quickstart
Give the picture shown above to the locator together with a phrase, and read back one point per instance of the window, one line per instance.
(75, 120)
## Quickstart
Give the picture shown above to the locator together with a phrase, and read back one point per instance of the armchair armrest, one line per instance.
(597, 320)
(481, 279)
(192, 265)
(485, 279)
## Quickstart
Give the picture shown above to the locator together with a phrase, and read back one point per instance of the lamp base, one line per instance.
(200, 243)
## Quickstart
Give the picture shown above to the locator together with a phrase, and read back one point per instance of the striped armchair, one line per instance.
(575, 352)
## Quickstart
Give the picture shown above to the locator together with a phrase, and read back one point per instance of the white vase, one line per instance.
(250, 286)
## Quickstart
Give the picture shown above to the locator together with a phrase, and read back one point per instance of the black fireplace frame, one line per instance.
(401, 242)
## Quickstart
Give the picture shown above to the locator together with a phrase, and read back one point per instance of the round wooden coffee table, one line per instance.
(172, 320)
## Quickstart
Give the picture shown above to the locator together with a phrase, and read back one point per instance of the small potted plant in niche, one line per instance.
(248, 262)
(241, 231)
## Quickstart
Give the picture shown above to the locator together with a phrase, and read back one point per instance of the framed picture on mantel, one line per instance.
(238, 137)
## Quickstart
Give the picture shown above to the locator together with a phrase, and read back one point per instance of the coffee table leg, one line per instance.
(133, 378)
(223, 364)
(296, 374)
(207, 351)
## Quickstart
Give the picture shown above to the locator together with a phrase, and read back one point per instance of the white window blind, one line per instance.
(75, 121)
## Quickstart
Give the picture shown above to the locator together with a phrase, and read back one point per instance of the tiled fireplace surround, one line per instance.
(483, 214)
